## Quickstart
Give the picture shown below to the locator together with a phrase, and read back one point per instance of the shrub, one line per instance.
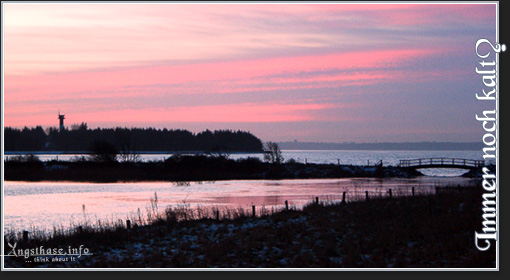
(103, 151)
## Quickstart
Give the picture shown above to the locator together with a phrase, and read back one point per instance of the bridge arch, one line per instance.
(441, 163)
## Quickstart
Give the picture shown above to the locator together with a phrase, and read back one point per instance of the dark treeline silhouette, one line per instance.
(27, 139)
(81, 138)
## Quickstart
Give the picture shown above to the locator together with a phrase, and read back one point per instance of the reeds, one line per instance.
(185, 212)
(421, 231)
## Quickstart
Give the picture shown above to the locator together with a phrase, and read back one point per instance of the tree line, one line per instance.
(127, 140)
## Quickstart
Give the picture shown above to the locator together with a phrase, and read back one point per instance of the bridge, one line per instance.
(441, 163)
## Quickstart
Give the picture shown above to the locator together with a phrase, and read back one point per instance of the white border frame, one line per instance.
(263, 269)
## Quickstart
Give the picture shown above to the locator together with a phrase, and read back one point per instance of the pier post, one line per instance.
(366, 194)
(389, 192)
(343, 197)
(316, 200)
(286, 205)
(412, 191)
(25, 235)
(218, 215)
(80, 229)
(128, 224)
(253, 210)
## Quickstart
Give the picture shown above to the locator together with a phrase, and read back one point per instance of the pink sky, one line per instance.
(312, 72)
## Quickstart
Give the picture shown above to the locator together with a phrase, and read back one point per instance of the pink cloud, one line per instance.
(140, 63)
(41, 86)
(77, 37)
(42, 95)
(245, 113)
(427, 14)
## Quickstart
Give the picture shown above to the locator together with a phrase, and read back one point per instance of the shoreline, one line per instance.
(110, 202)
(187, 168)
(422, 231)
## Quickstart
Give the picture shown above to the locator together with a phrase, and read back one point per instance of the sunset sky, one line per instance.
(311, 72)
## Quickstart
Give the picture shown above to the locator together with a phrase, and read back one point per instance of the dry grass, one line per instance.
(423, 231)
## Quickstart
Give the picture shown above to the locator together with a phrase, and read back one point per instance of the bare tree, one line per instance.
(128, 154)
(127, 148)
(273, 154)
(103, 151)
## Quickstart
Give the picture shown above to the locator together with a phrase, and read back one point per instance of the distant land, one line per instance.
(452, 146)
(128, 140)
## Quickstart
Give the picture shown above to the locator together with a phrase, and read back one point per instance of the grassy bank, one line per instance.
(186, 168)
(420, 232)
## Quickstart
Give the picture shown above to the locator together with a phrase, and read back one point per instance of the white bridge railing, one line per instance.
(438, 162)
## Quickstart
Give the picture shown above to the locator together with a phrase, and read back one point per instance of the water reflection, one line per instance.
(42, 205)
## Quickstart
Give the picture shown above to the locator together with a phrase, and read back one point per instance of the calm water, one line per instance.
(41, 205)
(331, 156)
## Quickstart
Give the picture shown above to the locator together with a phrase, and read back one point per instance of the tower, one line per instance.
(61, 118)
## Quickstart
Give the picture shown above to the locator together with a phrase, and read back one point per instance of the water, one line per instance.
(349, 157)
(43, 205)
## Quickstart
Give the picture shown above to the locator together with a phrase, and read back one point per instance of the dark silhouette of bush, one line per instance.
(379, 171)
(102, 151)
(273, 153)
(25, 167)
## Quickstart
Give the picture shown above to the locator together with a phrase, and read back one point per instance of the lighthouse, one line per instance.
(61, 118)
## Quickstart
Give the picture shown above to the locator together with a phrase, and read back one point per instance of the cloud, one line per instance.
(76, 37)
(242, 63)
(245, 113)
